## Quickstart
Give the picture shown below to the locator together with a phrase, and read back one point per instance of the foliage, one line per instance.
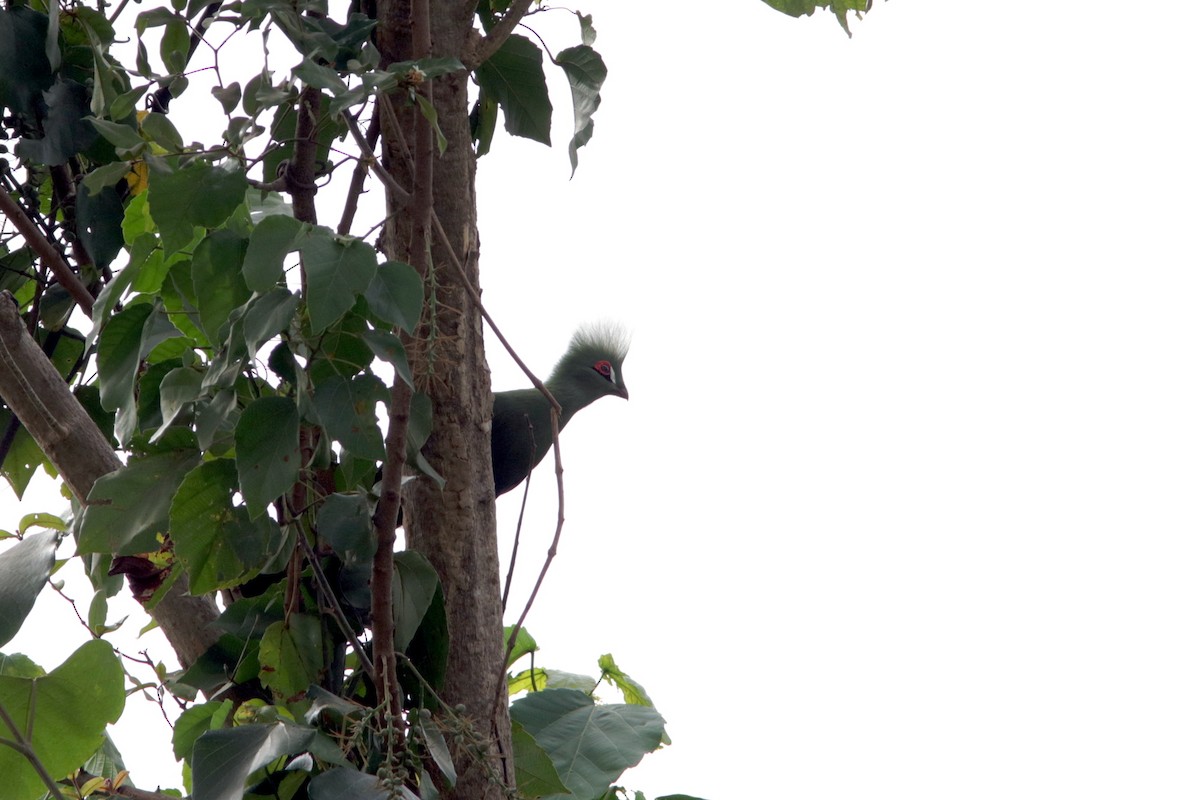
(235, 356)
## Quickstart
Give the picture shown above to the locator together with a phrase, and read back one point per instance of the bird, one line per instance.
(590, 369)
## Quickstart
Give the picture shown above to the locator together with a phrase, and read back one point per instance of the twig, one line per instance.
(474, 295)
(373, 163)
(21, 744)
(495, 38)
(359, 177)
(161, 99)
(512, 562)
(384, 524)
(550, 553)
(335, 608)
(47, 252)
(132, 792)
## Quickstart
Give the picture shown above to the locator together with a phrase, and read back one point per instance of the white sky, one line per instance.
(904, 499)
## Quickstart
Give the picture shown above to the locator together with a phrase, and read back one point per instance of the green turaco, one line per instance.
(590, 369)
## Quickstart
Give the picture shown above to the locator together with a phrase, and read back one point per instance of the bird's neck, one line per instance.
(569, 396)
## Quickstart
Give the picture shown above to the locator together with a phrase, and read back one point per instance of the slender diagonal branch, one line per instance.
(373, 164)
(359, 177)
(47, 252)
(499, 33)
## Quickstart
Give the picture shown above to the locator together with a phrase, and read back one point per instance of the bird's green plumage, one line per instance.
(521, 418)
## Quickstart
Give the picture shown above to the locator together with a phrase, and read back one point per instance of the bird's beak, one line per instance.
(622, 392)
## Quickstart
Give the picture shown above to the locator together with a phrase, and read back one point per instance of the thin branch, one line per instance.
(358, 178)
(475, 298)
(383, 522)
(335, 608)
(23, 746)
(496, 37)
(161, 99)
(47, 252)
(124, 790)
(368, 150)
(512, 561)
(550, 553)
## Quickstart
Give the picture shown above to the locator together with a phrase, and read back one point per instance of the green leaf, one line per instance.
(125, 341)
(66, 712)
(173, 48)
(430, 113)
(217, 279)
(344, 522)
(23, 458)
(214, 416)
(420, 424)
(396, 295)
(796, 8)
(65, 126)
(527, 680)
(338, 271)
(436, 746)
(483, 122)
(429, 652)
(389, 347)
(128, 509)
(25, 71)
(268, 450)
(514, 76)
(524, 645)
(585, 73)
(118, 354)
(536, 776)
(196, 195)
(347, 411)
(268, 315)
(350, 784)
(631, 689)
(108, 175)
(160, 128)
(290, 656)
(590, 745)
(222, 760)
(179, 387)
(270, 242)
(97, 612)
(40, 519)
(217, 541)
(99, 217)
(24, 570)
(414, 585)
(228, 96)
(587, 31)
(194, 721)
(126, 104)
(124, 138)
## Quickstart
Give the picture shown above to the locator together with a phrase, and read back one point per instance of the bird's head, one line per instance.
(592, 365)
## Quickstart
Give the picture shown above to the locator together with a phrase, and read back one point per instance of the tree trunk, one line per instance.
(454, 527)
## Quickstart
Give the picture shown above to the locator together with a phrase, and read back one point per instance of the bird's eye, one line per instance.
(604, 368)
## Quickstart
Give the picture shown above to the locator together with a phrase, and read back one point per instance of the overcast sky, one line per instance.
(904, 497)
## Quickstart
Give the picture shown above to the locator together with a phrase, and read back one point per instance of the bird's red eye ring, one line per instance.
(604, 368)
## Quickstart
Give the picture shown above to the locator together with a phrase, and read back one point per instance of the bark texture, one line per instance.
(454, 527)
